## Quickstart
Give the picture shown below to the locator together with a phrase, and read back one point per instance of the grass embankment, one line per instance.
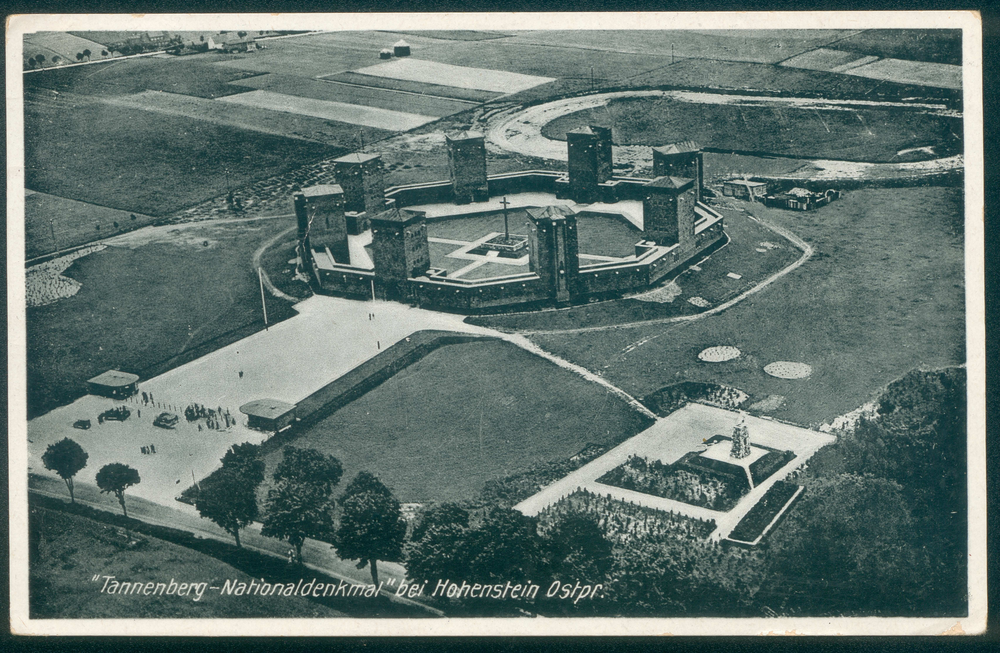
(883, 293)
(148, 308)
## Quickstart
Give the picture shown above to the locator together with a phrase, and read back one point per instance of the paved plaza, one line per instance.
(289, 361)
(667, 441)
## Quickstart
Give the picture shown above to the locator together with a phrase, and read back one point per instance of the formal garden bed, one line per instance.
(761, 515)
(694, 485)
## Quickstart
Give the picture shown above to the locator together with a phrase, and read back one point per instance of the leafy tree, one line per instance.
(104, 53)
(439, 515)
(242, 35)
(79, 56)
(578, 550)
(115, 478)
(506, 546)
(245, 459)
(301, 504)
(65, 458)
(846, 549)
(371, 524)
(228, 500)
(438, 544)
(87, 54)
(40, 58)
(229, 496)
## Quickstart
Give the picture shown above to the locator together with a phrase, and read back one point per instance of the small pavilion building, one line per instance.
(268, 414)
(114, 384)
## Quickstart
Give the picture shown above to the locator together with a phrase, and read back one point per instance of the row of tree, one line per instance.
(66, 458)
(300, 504)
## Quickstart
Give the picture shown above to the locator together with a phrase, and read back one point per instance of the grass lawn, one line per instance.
(74, 548)
(148, 308)
(465, 414)
(606, 236)
(474, 227)
(874, 134)
(71, 223)
(883, 294)
(145, 161)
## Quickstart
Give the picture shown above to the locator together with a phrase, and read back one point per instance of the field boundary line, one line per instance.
(807, 252)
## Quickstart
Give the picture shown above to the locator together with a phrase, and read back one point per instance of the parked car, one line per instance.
(166, 420)
(82, 424)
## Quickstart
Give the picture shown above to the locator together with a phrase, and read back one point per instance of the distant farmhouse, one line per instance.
(358, 238)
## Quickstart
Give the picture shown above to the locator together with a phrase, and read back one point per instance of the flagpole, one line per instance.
(260, 277)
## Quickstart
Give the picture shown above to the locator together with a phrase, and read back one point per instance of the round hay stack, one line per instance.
(719, 354)
(788, 370)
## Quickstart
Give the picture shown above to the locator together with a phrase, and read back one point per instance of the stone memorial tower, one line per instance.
(467, 166)
(553, 250)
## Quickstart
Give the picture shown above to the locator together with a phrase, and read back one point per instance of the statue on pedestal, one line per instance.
(741, 440)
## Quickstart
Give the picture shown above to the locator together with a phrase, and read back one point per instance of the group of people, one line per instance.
(215, 418)
(148, 449)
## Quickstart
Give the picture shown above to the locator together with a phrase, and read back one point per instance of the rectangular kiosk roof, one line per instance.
(114, 379)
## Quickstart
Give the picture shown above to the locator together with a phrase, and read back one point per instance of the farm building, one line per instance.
(114, 384)
(385, 53)
(401, 48)
(801, 199)
(742, 189)
(268, 414)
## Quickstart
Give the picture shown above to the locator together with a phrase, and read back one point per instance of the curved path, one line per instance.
(521, 131)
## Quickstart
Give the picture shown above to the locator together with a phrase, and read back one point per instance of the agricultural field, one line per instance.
(61, 223)
(62, 45)
(246, 116)
(437, 73)
(422, 88)
(381, 98)
(146, 161)
(316, 55)
(933, 45)
(546, 60)
(883, 294)
(874, 134)
(338, 111)
(149, 302)
(466, 413)
(761, 46)
(181, 75)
